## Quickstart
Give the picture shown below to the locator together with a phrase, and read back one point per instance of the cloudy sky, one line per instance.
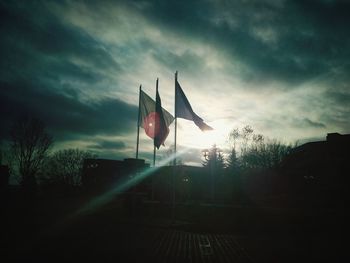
(281, 66)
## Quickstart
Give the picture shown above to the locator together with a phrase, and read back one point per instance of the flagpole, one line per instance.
(154, 149)
(174, 172)
(154, 146)
(138, 125)
(154, 156)
(175, 121)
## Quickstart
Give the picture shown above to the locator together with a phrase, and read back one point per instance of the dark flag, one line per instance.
(153, 119)
(184, 110)
(160, 125)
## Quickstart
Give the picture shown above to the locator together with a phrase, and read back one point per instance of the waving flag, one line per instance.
(154, 119)
(161, 127)
(184, 110)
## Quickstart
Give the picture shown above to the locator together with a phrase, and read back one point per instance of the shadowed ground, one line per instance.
(45, 230)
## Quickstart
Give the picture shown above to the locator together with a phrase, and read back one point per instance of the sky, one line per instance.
(280, 66)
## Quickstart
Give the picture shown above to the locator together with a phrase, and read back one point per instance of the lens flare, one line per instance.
(124, 185)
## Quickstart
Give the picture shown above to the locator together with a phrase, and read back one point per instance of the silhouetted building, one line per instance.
(321, 162)
(104, 173)
(191, 182)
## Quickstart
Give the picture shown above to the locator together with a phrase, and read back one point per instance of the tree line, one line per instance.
(31, 161)
(248, 151)
(251, 160)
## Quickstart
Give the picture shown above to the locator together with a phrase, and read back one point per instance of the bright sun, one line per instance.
(193, 137)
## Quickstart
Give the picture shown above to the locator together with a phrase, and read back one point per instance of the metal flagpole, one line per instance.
(154, 156)
(154, 147)
(138, 126)
(174, 167)
(154, 165)
(175, 121)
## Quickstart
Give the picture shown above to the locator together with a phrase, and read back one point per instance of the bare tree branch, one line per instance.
(30, 144)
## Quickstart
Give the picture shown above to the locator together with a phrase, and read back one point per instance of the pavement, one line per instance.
(41, 234)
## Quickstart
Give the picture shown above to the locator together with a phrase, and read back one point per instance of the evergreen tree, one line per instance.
(215, 164)
(233, 162)
(214, 159)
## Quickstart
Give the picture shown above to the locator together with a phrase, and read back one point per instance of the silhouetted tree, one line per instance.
(64, 167)
(246, 135)
(266, 155)
(214, 159)
(255, 150)
(253, 154)
(233, 162)
(214, 162)
(233, 137)
(234, 174)
(30, 144)
(8, 160)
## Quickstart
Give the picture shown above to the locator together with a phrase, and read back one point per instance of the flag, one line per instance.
(160, 125)
(150, 118)
(184, 110)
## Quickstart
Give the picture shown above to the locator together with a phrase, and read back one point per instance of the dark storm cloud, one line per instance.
(65, 116)
(287, 40)
(38, 77)
(108, 145)
(58, 64)
(38, 49)
(307, 122)
(31, 26)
